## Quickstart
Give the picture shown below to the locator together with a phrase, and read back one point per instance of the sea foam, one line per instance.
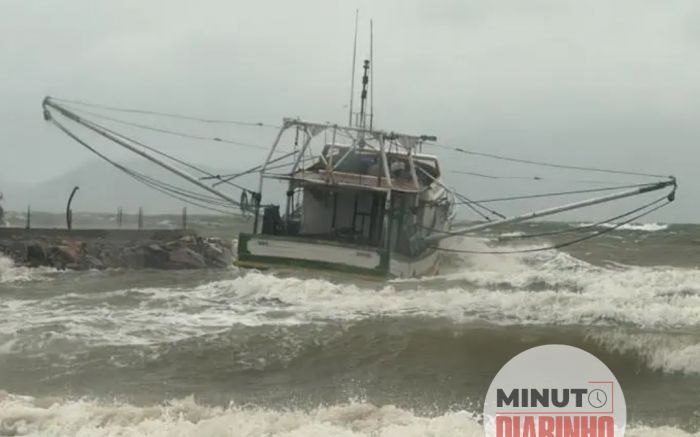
(539, 289)
(641, 227)
(9, 272)
(547, 288)
(27, 416)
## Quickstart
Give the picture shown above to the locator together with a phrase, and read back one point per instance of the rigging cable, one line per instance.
(561, 193)
(228, 177)
(157, 151)
(227, 181)
(471, 204)
(168, 114)
(168, 131)
(545, 164)
(532, 178)
(136, 175)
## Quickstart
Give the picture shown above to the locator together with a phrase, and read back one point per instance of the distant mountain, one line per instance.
(104, 188)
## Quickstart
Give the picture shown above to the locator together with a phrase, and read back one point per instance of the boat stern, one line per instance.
(273, 251)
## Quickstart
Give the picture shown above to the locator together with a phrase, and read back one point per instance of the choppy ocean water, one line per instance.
(250, 353)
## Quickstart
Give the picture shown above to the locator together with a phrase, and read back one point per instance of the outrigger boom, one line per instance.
(48, 102)
(568, 207)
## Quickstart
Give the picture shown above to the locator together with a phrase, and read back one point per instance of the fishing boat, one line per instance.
(358, 200)
(364, 206)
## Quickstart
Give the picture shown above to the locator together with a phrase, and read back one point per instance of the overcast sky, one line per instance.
(596, 82)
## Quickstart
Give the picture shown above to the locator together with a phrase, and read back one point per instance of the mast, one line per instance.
(352, 79)
(363, 102)
(371, 74)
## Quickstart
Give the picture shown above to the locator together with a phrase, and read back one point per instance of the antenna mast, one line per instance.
(371, 74)
(352, 80)
(363, 96)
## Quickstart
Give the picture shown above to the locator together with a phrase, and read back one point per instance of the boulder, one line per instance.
(156, 256)
(89, 262)
(65, 255)
(128, 258)
(35, 254)
(96, 252)
(185, 258)
(217, 253)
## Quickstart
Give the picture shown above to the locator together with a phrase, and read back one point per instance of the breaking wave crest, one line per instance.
(670, 353)
(185, 417)
(27, 416)
(641, 227)
(9, 272)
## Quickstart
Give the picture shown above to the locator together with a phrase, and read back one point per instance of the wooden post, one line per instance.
(69, 212)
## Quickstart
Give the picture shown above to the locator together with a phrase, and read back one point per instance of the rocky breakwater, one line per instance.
(101, 249)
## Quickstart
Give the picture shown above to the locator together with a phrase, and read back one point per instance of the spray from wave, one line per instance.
(670, 353)
(24, 415)
(9, 272)
(185, 417)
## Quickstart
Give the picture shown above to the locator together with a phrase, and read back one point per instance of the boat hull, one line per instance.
(272, 251)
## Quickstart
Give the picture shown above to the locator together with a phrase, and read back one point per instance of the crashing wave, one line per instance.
(24, 415)
(9, 272)
(670, 353)
(544, 288)
(640, 227)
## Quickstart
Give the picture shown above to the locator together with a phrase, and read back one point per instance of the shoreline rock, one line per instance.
(154, 251)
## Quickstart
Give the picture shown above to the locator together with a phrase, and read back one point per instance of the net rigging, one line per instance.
(215, 200)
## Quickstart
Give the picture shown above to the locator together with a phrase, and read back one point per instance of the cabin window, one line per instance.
(343, 215)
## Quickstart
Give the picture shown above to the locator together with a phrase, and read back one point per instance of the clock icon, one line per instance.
(597, 398)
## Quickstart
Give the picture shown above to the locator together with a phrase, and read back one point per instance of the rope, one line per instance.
(229, 177)
(545, 164)
(562, 193)
(170, 132)
(167, 114)
(560, 245)
(471, 204)
(531, 178)
(481, 175)
(154, 150)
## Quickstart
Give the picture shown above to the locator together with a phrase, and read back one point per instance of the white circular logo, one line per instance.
(553, 391)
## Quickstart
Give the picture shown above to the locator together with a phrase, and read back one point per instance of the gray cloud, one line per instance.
(603, 83)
